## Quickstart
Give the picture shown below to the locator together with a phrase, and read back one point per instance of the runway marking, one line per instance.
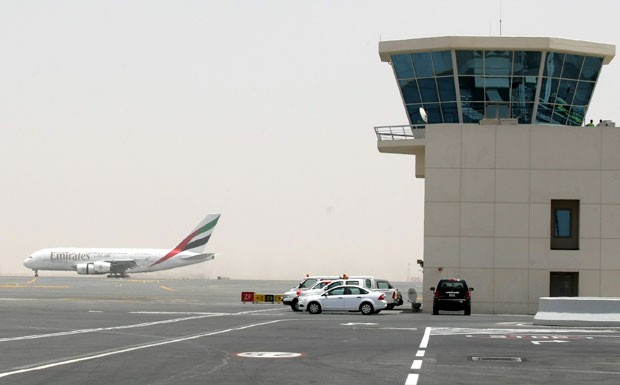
(472, 331)
(427, 336)
(175, 312)
(134, 348)
(359, 323)
(412, 378)
(256, 311)
(201, 313)
(167, 288)
(269, 355)
(121, 327)
(18, 286)
(540, 342)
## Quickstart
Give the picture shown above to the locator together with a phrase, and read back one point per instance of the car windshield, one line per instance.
(334, 284)
(307, 283)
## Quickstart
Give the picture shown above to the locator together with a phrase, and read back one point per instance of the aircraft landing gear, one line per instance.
(118, 275)
(36, 273)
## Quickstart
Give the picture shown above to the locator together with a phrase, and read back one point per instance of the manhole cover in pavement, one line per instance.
(498, 359)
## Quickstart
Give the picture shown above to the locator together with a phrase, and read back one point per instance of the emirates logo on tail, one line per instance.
(196, 241)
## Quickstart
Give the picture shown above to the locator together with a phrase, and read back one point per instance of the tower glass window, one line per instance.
(497, 84)
(426, 79)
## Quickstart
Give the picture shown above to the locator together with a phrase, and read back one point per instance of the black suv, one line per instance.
(452, 294)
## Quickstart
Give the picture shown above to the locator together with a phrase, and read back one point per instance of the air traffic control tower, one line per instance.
(522, 194)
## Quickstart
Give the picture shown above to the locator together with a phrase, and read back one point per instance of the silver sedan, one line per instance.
(344, 298)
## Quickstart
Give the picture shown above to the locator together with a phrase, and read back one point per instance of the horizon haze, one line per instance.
(125, 122)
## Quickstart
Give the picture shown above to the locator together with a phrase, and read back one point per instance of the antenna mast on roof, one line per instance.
(500, 17)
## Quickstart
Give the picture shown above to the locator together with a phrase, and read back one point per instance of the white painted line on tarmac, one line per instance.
(121, 327)
(427, 335)
(472, 331)
(126, 350)
(200, 313)
(269, 355)
(177, 313)
(256, 311)
(555, 341)
(359, 323)
(412, 379)
(417, 364)
(95, 330)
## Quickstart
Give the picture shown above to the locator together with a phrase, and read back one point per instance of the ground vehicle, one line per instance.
(392, 295)
(310, 282)
(326, 285)
(344, 298)
(452, 294)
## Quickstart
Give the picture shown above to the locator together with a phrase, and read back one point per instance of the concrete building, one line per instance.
(522, 198)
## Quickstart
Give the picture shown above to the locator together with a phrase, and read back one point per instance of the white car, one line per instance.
(392, 295)
(290, 297)
(344, 298)
(322, 287)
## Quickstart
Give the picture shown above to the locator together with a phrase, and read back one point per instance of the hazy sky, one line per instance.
(124, 123)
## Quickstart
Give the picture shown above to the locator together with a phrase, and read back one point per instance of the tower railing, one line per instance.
(400, 132)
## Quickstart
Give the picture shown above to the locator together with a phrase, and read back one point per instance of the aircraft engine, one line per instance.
(85, 268)
(98, 267)
(102, 267)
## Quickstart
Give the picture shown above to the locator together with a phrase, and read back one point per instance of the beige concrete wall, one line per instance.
(487, 210)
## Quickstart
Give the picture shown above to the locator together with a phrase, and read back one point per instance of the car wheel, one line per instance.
(314, 308)
(390, 306)
(366, 308)
(435, 311)
(468, 310)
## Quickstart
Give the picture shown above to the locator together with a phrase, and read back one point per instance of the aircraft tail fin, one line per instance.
(196, 241)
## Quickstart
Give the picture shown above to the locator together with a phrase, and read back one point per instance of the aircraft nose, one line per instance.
(28, 261)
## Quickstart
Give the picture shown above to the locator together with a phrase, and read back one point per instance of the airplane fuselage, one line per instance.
(142, 260)
(118, 262)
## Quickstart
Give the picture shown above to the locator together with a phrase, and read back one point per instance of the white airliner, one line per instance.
(117, 262)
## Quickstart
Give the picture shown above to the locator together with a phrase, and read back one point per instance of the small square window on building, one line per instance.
(564, 284)
(564, 224)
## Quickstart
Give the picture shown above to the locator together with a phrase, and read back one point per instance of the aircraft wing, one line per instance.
(120, 266)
